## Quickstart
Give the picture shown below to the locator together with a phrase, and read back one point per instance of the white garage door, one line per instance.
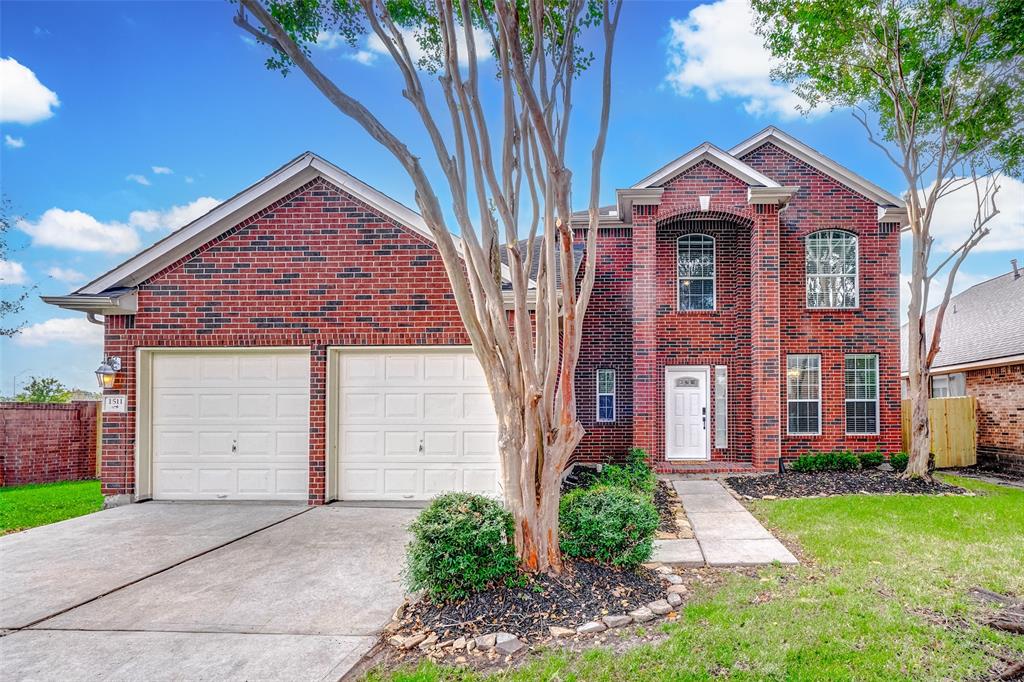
(230, 426)
(413, 424)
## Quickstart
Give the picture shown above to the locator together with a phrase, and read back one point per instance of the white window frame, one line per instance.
(944, 382)
(597, 402)
(856, 271)
(789, 400)
(878, 393)
(713, 277)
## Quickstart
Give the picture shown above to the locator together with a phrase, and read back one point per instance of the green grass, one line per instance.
(27, 506)
(883, 598)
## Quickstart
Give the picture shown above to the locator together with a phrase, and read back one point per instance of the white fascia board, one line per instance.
(247, 203)
(1006, 360)
(817, 160)
(707, 152)
(125, 304)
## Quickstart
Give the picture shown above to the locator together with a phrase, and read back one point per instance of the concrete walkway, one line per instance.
(726, 534)
(171, 591)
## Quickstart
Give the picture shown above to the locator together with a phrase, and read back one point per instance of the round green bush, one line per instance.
(899, 461)
(870, 459)
(607, 523)
(461, 543)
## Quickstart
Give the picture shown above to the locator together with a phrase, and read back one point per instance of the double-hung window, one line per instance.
(861, 394)
(831, 269)
(803, 394)
(606, 395)
(695, 265)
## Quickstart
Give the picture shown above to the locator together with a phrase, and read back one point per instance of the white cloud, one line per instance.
(329, 40)
(954, 219)
(172, 218)
(23, 99)
(79, 231)
(364, 57)
(14, 142)
(141, 179)
(715, 50)
(74, 330)
(12, 272)
(162, 170)
(481, 39)
(65, 274)
(189, 179)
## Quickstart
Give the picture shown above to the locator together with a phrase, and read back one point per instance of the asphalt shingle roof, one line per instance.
(578, 249)
(984, 322)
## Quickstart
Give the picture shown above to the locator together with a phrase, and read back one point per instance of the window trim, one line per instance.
(803, 400)
(597, 401)
(878, 394)
(713, 278)
(856, 273)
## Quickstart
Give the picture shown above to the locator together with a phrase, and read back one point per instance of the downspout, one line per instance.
(92, 318)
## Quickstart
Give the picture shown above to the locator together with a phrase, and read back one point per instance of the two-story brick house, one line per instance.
(300, 341)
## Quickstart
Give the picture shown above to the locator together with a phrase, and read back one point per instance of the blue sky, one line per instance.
(165, 107)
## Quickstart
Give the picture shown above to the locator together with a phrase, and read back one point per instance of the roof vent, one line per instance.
(1016, 270)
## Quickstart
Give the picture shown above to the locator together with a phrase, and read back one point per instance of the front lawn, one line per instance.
(27, 506)
(883, 596)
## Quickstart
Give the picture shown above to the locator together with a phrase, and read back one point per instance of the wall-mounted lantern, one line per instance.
(107, 370)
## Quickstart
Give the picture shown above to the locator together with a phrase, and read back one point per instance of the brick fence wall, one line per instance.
(44, 443)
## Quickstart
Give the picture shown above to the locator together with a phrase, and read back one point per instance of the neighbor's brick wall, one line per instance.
(1000, 395)
(45, 443)
(316, 269)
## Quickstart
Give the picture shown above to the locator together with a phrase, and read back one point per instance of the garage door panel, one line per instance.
(410, 422)
(230, 426)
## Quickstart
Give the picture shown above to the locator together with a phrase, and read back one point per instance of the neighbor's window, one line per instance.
(696, 272)
(803, 394)
(606, 395)
(861, 394)
(949, 385)
(832, 269)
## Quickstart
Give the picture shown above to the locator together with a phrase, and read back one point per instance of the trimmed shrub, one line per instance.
(608, 523)
(899, 461)
(870, 459)
(840, 460)
(635, 475)
(461, 543)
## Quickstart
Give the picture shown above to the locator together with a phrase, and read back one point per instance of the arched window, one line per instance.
(832, 269)
(696, 272)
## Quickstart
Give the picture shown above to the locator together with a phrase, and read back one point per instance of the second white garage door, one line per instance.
(414, 424)
(230, 425)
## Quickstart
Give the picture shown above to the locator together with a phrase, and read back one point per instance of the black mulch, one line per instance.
(581, 476)
(583, 592)
(664, 498)
(792, 484)
(988, 470)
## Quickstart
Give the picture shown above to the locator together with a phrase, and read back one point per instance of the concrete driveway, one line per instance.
(200, 591)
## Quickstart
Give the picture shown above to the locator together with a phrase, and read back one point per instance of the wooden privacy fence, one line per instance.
(953, 428)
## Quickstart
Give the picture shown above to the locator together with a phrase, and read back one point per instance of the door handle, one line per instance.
(234, 446)
(421, 446)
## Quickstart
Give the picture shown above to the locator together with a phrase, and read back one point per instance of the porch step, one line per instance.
(709, 468)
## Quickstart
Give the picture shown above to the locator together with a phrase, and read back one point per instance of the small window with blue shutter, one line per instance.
(606, 395)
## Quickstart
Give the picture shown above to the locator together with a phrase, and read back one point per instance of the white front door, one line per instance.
(414, 423)
(686, 413)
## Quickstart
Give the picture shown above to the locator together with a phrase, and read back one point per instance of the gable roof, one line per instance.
(248, 202)
(819, 161)
(981, 323)
(113, 292)
(578, 249)
(712, 154)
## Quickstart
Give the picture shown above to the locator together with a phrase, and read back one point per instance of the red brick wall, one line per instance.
(45, 443)
(1000, 395)
(316, 269)
(823, 203)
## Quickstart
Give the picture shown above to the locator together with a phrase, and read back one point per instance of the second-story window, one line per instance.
(696, 272)
(832, 269)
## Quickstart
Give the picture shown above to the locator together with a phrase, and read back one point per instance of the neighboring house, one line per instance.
(300, 341)
(981, 354)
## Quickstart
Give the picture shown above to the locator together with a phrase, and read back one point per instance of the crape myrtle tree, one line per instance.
(937, 86)
(503, 165)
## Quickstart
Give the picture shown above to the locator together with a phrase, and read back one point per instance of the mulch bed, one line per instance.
(584, 591)
(988, 471)
(664, 499)
(872, 481)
